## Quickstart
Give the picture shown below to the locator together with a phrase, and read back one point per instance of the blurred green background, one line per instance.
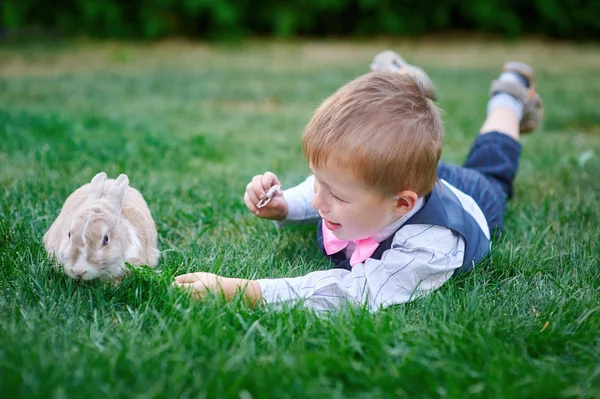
(227, 19)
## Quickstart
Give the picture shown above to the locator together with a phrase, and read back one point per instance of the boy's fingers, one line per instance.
(251, 194)
(181, 279)
(187, 278)
(250, 204)
(196, 289)
(189, 286)
(269, 180)
(257, 186)
(181, 286)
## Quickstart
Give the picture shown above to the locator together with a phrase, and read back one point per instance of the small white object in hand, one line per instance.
(273, 191)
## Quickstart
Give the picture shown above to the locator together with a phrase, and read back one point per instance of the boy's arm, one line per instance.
(299, 204)
(299, 200)
(422, 259)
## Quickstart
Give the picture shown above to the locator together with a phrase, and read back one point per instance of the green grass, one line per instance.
(190, 125)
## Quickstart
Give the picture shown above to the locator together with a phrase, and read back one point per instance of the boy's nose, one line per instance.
(318, 202)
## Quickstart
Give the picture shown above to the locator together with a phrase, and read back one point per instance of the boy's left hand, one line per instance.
(200, 283)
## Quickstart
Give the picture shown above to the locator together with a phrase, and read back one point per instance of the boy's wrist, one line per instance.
(253, 292)
(283, 212)
(250, 288)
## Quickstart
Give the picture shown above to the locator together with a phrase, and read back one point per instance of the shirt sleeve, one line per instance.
(299, 199)
(421, 259)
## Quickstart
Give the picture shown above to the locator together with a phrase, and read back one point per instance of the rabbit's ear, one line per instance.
(97, 185)
(116, 192)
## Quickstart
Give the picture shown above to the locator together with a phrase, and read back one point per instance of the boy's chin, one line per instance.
(341, 235)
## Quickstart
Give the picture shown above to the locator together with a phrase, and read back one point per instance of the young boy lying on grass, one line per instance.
(394, 220)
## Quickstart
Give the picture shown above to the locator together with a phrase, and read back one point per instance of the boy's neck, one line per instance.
(393, 227)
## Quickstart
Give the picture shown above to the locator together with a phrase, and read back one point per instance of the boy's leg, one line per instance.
(514, 108)
(502, 119)
(491, 166)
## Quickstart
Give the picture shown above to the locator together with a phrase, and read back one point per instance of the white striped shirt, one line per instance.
(420, 260)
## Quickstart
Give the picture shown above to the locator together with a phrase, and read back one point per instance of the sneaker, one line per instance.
(389, 61)
(533, 108)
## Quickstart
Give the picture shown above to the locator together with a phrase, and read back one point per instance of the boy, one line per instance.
(395, 222)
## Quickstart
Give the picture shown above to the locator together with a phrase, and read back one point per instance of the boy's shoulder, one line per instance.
(414, 236)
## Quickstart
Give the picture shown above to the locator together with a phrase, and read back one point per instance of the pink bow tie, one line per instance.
(364, 247)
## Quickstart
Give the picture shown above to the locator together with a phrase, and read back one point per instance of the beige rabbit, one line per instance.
(101, 226)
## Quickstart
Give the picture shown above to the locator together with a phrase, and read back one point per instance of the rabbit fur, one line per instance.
(102, 225)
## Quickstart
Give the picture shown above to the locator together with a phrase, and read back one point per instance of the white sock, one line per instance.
(507, 101)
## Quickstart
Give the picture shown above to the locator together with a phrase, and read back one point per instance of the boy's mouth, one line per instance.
(331, 226)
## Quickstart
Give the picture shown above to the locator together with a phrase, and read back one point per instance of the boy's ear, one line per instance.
(405, 201)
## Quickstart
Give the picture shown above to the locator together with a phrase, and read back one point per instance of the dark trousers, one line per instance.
(487, 175)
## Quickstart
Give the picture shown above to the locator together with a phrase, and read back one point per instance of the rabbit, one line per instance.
(101, 226)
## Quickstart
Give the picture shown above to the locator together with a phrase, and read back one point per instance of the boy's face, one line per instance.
(348, 208)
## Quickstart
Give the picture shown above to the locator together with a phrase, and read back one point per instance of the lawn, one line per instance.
(190, 124)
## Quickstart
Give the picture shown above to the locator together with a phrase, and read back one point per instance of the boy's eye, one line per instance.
(335, 197)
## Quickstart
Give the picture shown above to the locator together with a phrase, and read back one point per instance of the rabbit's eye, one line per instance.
(105, 240)
(69, 234)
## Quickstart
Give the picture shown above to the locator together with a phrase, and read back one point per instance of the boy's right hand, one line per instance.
(276, 209)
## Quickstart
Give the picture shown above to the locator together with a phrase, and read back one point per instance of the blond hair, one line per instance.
(382, 128)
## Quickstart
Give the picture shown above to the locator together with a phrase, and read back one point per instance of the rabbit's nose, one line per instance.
(79, 272)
